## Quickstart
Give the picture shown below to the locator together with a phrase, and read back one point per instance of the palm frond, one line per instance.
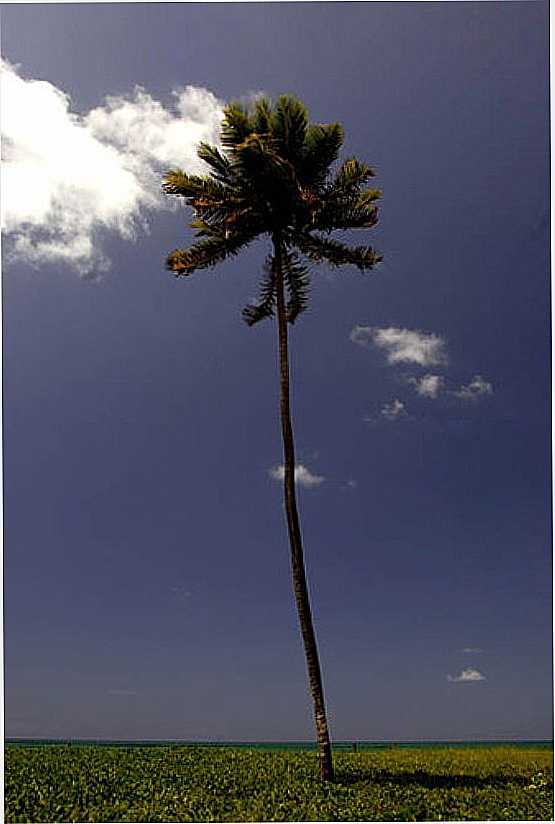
(236, 126)
(369, 196)
(212, 201)
(180, 183)
(346, 204)
(350, 178)
(205, 253)
(348, 184)
(264, 175)
(334, 253)
(220, 166)
(346, 216)
(288, 125)
(297, 280)
(322, 146)
(225, 219)
(255, 312)
(262, 115)
(259, 154)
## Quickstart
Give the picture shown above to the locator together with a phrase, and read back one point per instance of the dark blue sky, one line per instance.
(147, 585)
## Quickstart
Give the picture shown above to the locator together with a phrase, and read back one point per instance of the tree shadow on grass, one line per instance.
(420, 778)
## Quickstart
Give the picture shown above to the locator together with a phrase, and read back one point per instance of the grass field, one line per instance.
(184, 783)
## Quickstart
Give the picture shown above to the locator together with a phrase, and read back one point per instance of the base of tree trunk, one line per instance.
(326, 764)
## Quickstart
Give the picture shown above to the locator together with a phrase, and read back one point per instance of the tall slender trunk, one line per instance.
(295, 540)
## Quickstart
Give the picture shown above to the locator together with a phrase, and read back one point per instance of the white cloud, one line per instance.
(362, 335)
(66, 176)
(429, 386)
(467, 676)
(303, 476)
(475, 389)
(472, 649)
(151, 136)
(403, 345)
(181, 592)
(393, 410)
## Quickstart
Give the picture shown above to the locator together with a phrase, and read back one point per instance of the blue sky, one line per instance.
(147, 588)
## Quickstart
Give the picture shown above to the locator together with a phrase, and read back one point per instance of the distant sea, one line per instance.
(278, 745)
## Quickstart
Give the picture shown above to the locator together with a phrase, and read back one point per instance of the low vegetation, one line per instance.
(185, 783)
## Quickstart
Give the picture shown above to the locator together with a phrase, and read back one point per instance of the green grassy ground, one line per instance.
(177, 783)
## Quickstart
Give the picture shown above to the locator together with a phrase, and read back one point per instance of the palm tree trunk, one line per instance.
(295, 540)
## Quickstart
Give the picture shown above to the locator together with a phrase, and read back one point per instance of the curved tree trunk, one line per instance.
(297, 561)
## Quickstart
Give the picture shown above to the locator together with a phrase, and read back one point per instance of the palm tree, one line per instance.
(274, 177)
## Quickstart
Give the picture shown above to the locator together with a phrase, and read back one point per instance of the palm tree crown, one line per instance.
(275, 177)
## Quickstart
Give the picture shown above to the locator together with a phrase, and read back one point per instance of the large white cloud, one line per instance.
(150, 135)
(403, 345)
(65, 176)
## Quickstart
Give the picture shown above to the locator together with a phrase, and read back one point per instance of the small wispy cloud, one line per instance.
(362, 335)
(475, 389)
(351, 483)
(472, 650)
(394, 410)
(428, 386)
(303, 475)
(403, 345)
(469, 675)
(181, 592)
(422, 349)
